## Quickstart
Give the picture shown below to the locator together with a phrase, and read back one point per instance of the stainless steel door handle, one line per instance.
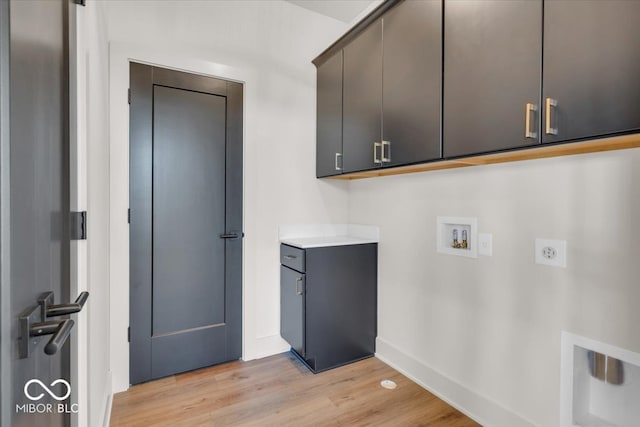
(31, 325)
(231, 235)
(530, 110)
(376, 159)
(551, 104)
(59, 331)
(50, 310)
(386, 159)
(338, 168)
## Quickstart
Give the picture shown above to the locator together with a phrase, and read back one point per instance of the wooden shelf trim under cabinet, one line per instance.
(537, 152)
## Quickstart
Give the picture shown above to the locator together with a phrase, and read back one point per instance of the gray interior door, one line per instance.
(35, 201)
(186, 221)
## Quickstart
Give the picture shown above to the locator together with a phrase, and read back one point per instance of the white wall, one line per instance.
(269, 46)
(485, 333)
(95, 60)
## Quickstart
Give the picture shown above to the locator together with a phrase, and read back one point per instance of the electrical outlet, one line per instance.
(551, 252)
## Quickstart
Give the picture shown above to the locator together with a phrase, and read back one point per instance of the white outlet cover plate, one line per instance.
(560, 246)
(485, 244)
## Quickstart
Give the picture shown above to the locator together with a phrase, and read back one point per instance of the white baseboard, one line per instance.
(480, 408)
(268, 346)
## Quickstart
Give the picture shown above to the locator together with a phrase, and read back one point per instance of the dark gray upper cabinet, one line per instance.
(591, 68)
(492, 63)
(422, 80)
(411, 85)
(329, 125)
(391, 110)
(362, 102)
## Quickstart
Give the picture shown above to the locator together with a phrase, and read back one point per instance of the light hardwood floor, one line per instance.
(280, 391)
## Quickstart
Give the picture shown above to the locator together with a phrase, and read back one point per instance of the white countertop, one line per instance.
(319, 242)
(305, 236)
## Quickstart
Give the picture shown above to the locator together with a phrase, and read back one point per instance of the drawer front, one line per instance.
(292, 257)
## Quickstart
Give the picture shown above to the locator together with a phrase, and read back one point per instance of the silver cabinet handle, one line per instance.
(338, 168)
(298, 290)
(550, 103)
(376, 159)
(386, 159)
(290, 257)
(530, 110)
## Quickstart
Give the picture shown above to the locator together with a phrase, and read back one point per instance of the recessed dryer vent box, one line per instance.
(458, 236)
(600, 384)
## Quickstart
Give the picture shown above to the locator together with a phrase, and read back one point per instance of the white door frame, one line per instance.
(78, 202)
(170, 57)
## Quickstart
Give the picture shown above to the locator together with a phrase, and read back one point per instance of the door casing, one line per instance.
(120, 56)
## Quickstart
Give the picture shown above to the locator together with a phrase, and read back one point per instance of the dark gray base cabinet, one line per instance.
(328, 303)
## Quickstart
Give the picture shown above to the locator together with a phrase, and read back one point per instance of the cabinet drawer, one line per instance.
(292, 257)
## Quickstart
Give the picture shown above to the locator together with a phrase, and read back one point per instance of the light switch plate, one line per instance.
(485, 244)
(551, 252)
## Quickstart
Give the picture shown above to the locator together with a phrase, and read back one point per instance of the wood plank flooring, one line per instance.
(280, 391)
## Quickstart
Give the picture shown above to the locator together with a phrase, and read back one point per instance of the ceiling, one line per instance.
(342, 10)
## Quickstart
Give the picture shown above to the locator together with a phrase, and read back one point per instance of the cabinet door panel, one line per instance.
(362, 99)
(411, 93)
(492, 55)
(292, 308)
(592, 67)
(341, 301)
(329, 130)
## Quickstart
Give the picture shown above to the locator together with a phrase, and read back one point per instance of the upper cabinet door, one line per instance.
(412, 76)
(329, 125)
(492, 55)
(362, 106)
(591, 77)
